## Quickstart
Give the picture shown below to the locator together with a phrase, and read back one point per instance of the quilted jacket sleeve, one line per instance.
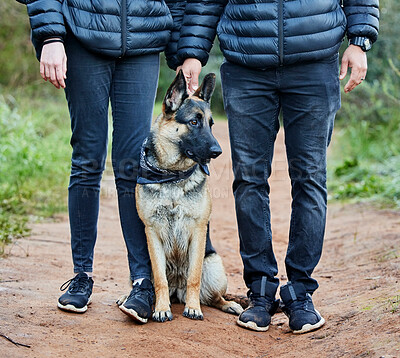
(198, 29)
(177, 9)
(46, 20)
(362, 18)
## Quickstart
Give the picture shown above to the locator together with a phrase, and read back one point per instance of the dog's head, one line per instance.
(189, 119)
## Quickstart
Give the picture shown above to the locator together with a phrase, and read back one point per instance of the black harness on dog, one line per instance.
(150, 174)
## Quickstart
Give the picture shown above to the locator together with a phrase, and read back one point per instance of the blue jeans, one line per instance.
(92, 82)
(308, 94)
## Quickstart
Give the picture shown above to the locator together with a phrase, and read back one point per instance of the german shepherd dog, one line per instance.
(176, 212)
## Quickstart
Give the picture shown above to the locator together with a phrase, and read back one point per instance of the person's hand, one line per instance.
(355, 58)
(53, 64)
(191, 70)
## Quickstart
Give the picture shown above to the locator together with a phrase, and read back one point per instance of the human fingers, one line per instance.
(194, 81)
(60, 76)
(355, 79)
(344, 67)
(46, 72)
(191, 69)
(42, 71)
(65, 67)
(358, 73)
(53, 76)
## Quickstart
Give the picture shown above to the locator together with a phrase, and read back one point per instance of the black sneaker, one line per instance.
(139, 303)
(298, 306)
(79, 293)
(257, 316)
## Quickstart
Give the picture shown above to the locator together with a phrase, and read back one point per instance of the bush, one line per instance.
(34, 162)
(366, 153)
(17, 57)
(366, 150)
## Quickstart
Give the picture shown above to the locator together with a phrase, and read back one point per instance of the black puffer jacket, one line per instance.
(114, 27)
(269, 33)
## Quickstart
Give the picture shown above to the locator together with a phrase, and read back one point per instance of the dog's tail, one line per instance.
(244, 301)
(240, 299)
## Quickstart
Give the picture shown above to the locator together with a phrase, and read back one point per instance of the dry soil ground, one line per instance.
(359, 293)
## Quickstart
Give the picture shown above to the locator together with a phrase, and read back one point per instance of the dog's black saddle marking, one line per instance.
(150, 174)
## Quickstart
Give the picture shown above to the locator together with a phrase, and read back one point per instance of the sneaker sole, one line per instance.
(252, 325)
(72, 308)
(133, 314)
(310, 327)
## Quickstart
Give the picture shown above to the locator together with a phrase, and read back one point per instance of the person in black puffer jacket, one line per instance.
(101, 51)
(281, 56)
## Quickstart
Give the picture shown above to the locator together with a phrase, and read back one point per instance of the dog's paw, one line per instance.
(193, 313)
(162, 316)
(232, 308)
(121, 300)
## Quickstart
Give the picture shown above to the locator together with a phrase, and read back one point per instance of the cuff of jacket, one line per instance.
(202, 56)
(51, 38)
(173, 62)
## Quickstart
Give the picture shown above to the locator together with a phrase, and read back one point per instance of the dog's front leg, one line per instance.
(162, 311)
(196, 257)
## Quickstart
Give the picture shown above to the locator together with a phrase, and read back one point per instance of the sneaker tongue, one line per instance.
(263, 288)
(146, 283)
(82, 274)
(293, 292)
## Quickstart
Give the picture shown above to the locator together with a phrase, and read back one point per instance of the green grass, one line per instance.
(365, 158)
(34, 158)
(394, 304)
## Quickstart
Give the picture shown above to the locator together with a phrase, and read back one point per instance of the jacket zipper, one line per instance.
(123, 26)
(280, 31)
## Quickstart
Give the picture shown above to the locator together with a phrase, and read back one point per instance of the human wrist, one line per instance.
(191, 59)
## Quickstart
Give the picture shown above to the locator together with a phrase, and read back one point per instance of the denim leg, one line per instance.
(132, 100)
(87, 92)
(310, 97)
(252, 106)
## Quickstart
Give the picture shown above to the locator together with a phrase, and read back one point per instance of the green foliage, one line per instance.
(394, 304)
(18, 62)
(34, 161)
(366, 149)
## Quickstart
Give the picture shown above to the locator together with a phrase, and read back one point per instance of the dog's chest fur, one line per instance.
(172, 210)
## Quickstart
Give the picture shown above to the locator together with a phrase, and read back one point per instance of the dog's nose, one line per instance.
(215, 151)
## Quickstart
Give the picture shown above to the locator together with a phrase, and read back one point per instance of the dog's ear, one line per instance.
(176, 94)
(206, 89)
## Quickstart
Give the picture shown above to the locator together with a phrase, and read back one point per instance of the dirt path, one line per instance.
(359, 277)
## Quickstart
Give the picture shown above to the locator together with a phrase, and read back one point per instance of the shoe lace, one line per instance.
(262, 301)
(256, 300)
(76, 284)
(303, 304)
(143, 293)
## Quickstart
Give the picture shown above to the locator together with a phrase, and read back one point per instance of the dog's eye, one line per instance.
(194, 122)
(211, 122)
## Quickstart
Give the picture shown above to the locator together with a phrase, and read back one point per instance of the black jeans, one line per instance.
(308, 94)
(92, 82)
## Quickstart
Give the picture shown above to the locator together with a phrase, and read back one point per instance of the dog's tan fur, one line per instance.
(176, 216)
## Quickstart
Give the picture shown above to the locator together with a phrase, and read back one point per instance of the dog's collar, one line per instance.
(150, 174)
